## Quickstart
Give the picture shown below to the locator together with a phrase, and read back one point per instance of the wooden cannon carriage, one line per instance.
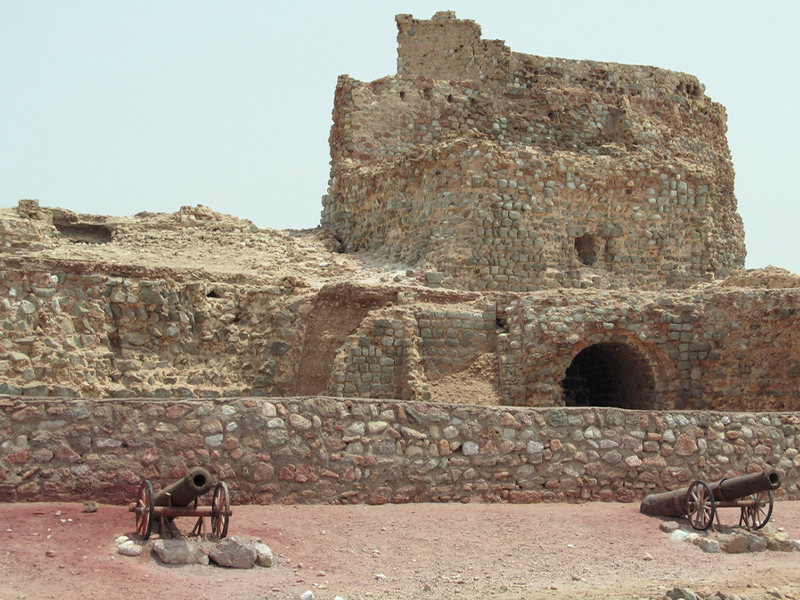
(699, 502)
(175, 500)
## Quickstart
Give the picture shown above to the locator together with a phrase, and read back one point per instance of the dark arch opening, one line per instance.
(608, 374)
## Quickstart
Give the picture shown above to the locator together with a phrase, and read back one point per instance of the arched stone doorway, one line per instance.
(609, 374)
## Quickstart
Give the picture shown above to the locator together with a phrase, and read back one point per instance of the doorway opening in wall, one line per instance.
(609, 374)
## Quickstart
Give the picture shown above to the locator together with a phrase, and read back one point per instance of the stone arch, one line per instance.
(609, 373)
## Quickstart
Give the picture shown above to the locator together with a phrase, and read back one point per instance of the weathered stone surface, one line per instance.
(510, 186)
(669, 526)
(398, 465)
(263, 555)
(131, 548)
(233, 552)
(708, 545)
(681, 594)
(685, 446)
(733, 543)
(756, 543)
(780, 542)
(179, 552)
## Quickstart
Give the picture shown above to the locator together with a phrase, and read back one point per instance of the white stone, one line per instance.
(470, 448)
(129, 548)
(263, 555)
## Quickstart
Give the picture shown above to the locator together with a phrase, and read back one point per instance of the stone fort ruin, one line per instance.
(556, 239)
(513, 172)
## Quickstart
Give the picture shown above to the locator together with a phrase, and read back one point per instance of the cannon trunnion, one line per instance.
(699, 502)
(175, 500)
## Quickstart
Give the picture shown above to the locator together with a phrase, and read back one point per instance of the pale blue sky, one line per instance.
(119, 107)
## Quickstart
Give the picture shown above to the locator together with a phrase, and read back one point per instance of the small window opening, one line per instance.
(586, 247)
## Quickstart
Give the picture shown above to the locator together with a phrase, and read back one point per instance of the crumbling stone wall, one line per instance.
(71, 333)
(448, 48)
(77, 334)
(395, 355)
(725, 348)
(340, 451)
(512, 172)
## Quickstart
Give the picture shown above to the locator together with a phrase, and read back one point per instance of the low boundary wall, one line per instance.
(326, 450)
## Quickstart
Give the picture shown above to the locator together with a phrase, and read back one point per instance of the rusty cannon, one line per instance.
(699, 502)
(180, 499)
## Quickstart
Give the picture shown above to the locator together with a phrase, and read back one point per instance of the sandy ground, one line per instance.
(425, 551)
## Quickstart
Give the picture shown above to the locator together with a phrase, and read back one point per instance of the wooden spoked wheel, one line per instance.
(757, 513)
(144, 510)
(700, 505)
(220, 510)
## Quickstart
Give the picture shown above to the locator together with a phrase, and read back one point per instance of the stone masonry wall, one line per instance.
(325, 450)
(395, 354)
(725, 349)
(522, 220)
(68, 333)
(514, 172)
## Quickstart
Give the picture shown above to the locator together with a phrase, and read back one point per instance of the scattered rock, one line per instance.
(757, 542)
(680, 534)
(708, 545)
(780, 542)
(307, 595)
(263, 555)
(179, 552)
(733, 540)
(233, 552)
(90, 506)
(434, 278)
(669, 526)
(681, 594)
(733, 543)
(130, 548)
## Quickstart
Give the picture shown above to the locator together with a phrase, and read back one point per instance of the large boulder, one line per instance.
(179, 552)
(234, 552)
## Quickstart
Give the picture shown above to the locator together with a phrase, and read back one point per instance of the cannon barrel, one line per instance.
(185, 491)
(673, 504)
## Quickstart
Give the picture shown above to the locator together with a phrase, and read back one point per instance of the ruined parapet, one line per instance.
(25, 228)
(445, 47)
(514, 172)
